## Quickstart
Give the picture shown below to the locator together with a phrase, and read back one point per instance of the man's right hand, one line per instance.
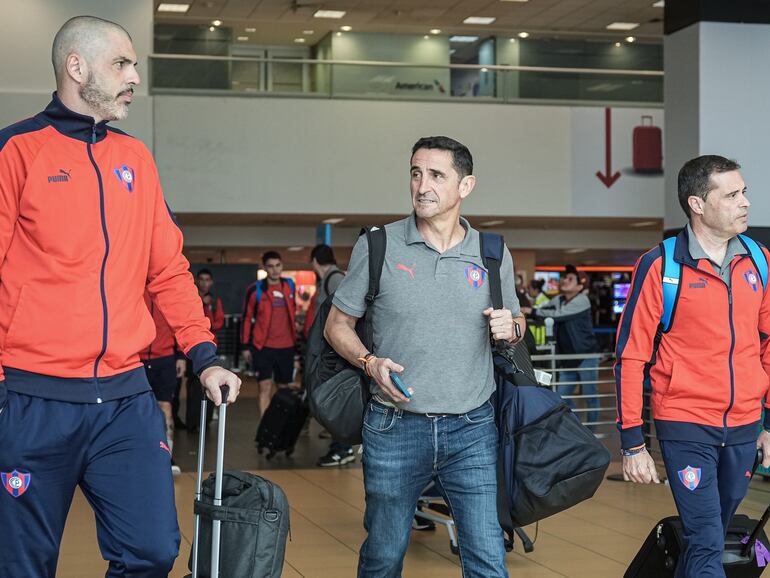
(640, 468)
(246, 355)
(380, 368)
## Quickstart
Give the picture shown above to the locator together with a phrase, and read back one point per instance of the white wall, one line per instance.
(224, 154)
(717, 82)
(27, 29)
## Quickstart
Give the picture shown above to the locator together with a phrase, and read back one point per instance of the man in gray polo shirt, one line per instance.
(432, 320)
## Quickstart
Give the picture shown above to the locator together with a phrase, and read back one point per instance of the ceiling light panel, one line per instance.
(622, 26)
(336, 14)
(463, 39)
(177, 8)
(483, 20)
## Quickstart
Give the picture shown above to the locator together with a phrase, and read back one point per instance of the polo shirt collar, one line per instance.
(468, 246)
(734, 248)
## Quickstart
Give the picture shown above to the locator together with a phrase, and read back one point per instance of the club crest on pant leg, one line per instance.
(690, 477)
(15, 483)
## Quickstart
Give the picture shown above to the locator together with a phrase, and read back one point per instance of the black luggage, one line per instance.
(282, 423)
(747, 550)
(241, 520)
(660, 552)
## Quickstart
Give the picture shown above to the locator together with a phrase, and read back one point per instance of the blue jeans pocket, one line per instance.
(379, 418)
(482, 414)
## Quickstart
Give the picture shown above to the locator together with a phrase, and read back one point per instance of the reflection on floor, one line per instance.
(597, 538)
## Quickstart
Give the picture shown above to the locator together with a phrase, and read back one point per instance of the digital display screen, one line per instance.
(620, 290)
(551, 279)
(618, 305)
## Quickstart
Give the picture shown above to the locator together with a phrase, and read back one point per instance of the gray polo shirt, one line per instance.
(428, 315)
(734, 247)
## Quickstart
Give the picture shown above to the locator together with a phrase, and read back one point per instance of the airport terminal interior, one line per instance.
(280, 125)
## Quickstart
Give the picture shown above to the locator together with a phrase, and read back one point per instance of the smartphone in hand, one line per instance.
(399, 384)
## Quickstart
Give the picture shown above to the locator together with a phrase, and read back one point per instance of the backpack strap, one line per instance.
(672, 272)
(758, 256)
(329, 278)
(377, 241)
(491, 245)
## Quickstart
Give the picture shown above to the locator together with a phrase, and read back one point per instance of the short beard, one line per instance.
(105, 105)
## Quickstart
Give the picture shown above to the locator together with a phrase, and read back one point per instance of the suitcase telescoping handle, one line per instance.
(647, 117)
(765, 517)
(216, 524)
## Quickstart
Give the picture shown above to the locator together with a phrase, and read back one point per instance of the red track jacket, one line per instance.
(84, 230)
(710, 373)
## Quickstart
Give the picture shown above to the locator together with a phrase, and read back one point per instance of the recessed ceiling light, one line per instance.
(295, 249)
(299, 40)
(523, 34)
(622, 26)
(643, 224)
(575, 251)
(243, 38)
(485, 69)
(435, 30)
(659, 4)
(170, 7)
(251, 29)
(346, 28)
(426, 37)
(333, 221)
(463, 39)
(491, 223)
(216, 23)
(338, 34)
(511, 40)
(618, 45)
(479, 20)
(329, 14)
(211, 29)
(630, 39)
(308, 32)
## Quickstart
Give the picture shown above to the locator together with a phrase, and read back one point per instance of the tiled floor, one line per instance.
(596, 539)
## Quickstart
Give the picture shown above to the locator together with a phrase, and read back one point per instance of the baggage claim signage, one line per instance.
(617, 162)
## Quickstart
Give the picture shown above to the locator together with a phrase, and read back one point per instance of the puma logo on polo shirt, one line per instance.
(409, 270)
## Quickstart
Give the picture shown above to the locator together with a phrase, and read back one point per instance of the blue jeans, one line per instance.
(585, 372)
(403, 451)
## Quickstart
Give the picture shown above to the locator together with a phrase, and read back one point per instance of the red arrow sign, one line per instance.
(607, 177)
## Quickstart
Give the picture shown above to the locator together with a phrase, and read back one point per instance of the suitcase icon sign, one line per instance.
(648, 147)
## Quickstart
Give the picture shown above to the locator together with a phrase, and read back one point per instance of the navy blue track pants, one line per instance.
(708, 483)
(116, 452)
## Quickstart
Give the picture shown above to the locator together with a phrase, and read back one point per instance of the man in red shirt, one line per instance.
(215, 313)
(269, 336)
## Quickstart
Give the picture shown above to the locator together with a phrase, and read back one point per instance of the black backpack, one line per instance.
(337, 391)
(548, 460)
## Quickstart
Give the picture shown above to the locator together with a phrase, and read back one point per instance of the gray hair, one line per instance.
(82, 34)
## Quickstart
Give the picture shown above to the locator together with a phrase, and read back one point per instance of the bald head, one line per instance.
(83, 35)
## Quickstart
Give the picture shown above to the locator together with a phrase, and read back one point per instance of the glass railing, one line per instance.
(172, 73)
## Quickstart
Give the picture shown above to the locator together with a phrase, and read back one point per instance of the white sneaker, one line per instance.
(175, 470)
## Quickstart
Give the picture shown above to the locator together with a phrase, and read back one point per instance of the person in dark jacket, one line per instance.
(571, 310)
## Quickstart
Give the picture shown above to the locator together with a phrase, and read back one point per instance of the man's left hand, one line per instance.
(212, 378)
(763, 441)
(502, 324)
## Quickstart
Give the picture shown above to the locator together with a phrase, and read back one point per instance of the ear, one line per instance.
(466, 185)
(77, 68)
(696, 204)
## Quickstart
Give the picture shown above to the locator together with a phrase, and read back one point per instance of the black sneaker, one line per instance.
(333, 459)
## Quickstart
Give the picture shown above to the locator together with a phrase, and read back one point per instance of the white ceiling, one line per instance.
(280, 21)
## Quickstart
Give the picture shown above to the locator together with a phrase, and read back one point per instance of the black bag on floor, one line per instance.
(548, 460)
(282, 423)
(337, 391)
(240, 529)
(659, 555)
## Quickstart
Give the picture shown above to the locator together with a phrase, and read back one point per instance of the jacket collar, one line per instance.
(73, 124)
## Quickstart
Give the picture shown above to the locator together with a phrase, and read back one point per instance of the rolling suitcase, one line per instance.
(648, 147)
(282, 423)
(241, 520)
(746, 554)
